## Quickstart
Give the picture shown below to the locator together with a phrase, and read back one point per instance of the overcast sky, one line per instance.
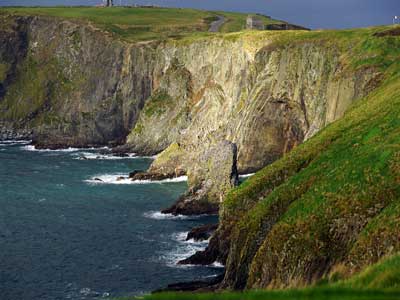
(311, 13)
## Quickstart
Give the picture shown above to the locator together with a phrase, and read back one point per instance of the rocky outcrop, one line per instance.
(198, 286)
(212, 173)
(284, 26)
(202, 233)
(9, 133)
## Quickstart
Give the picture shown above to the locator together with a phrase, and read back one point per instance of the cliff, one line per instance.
(329, 208)
(70, 83)
(256, 90)
(222, 104)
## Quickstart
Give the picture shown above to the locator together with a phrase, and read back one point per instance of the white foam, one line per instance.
(109, 179)
(184, 250)
(33, 148)
(70, 149)
(180, 236)
(93, 156)
(114, 179)
(168, 180)
(246, 175)
(157, 215)
(14, 142)
(217, 265)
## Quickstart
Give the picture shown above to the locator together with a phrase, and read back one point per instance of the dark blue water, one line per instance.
(65, 237)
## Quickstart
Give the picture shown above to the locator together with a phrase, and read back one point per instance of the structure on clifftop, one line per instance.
(254, 22)
(108, 3)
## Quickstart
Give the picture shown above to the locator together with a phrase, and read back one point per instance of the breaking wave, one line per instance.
(122, 179)
(246, 175)
(14, 142)
(92, 156)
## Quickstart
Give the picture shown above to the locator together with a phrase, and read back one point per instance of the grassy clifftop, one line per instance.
(142, 24)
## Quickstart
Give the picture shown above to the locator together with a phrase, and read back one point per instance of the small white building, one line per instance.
(253, 22)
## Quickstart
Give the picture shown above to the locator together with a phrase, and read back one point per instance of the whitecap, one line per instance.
(180, 236)
(69, 149)
(246, 175)
(33, 148)
(184, 250)
(14, 142)
(94, 156)
(217, 265)
(109, 179)
(122, 179)
(168, 180)
(157, 215)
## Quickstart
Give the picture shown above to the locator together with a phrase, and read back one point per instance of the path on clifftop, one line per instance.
(216, 25)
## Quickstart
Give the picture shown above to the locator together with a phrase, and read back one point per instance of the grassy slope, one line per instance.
(349, 173)
(140, 24)
(371, 284)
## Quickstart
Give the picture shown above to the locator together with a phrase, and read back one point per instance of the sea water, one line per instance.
(70, 230)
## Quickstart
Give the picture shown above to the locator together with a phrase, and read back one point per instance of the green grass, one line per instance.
(130, 24)
(382, 275)
(141, 24)
(378, 282)
(307, 294)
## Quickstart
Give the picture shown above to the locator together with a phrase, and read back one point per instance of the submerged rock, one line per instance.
(202, 233)
(200, 285)
(153, 176)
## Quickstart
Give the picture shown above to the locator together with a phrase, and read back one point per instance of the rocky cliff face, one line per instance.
(264, 96)
(70, 83)
(75, 86)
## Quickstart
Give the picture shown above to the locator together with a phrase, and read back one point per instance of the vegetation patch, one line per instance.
(158, 104)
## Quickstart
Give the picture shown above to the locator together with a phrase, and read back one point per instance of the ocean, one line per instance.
(66, 235)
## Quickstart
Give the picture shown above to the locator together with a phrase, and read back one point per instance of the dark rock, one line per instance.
(193, 203)
(285, 26)
(390, 32)
(121, 178)
(137, 175)
(207, 257)
(212, 173)
(135, 172)
(202, 233)
(98, 179)
(199, 286)
(122, 150)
